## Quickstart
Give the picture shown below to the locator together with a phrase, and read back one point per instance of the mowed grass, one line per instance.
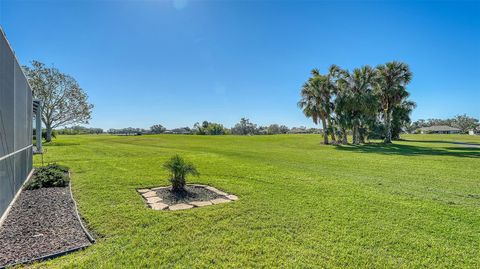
(411, 204)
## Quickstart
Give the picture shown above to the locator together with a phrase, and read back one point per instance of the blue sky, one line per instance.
(179, 62)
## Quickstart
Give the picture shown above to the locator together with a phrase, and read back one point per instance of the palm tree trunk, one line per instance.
(388, 127)
(355, 134)
(361, 135)
(325, 132)
(344, 136)
(332, 129)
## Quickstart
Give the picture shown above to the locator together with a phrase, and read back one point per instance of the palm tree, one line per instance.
(355, 101)
(179, 170)
(342, 116)
(324, 88)
(390, 86)
(401, 117)
(312, 105)
(331, 89)
(342, 121)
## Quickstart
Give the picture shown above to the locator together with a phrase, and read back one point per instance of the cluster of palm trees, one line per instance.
(366, 102)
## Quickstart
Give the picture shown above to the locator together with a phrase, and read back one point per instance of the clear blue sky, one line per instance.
(179, 62)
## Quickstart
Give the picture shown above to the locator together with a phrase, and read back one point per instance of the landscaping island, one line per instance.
(195, 195)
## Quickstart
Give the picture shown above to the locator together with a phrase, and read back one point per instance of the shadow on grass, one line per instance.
(60, 144)
(473, 144)
(412, 150)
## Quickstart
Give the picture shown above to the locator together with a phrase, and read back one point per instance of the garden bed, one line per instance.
(42, 223)
(194, 195)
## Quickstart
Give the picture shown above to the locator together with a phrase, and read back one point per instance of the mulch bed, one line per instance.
(192, 193)
(41, 222)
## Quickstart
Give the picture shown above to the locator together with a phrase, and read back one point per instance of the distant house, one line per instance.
(475, 131)
(295, 130)
(439, 129)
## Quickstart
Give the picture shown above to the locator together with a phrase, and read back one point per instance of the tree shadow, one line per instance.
(413, 150)
(60, 144)
(473, 144)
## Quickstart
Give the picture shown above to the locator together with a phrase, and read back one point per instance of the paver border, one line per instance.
(159, 205)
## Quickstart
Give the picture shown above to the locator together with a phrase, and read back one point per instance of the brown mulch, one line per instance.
(42, 222)
(191, 194)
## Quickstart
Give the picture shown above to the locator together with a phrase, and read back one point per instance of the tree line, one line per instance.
(246, 127)
(243, 127)
(365, 102)
(77, 130)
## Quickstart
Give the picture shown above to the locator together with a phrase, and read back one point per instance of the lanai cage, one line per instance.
(17, 110)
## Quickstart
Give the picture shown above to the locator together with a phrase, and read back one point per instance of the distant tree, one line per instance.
(261, 130)
(432, 122)
(244, 127)
(64, 101)
(216, 129)
(465, 123)
(95, 130)
(390, 85)
(198, 129)
(209, 128)
(277, 129)
(205, 124)
(284, 129)
(127, 131)
(273, 129)
(157, 129)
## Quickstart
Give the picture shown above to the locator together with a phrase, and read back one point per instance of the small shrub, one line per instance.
(52, 175)
(179, 170)
(58, 167)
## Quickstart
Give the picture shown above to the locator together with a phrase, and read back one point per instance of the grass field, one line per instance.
(415, 203)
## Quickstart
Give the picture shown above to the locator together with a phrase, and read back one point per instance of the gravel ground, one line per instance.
(41, 222)
(193, 193)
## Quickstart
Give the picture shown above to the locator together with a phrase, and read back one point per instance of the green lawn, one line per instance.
(411, 204)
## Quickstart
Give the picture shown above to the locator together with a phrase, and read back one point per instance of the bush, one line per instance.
(179, 169)
(52, 175)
